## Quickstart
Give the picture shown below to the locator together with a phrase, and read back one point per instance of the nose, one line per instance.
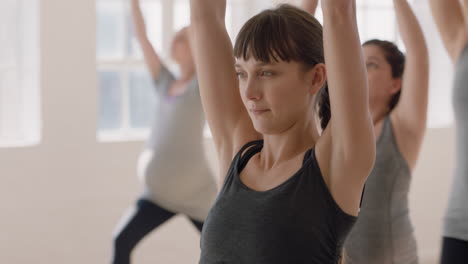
(252, 90)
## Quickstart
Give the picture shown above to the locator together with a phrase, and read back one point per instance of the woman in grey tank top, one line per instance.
(289, 195)
(398, 88)
(451, 18)
(172, 166)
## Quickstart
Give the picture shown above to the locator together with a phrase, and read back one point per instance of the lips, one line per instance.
(258, 111)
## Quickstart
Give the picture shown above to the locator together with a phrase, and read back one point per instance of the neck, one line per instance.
(379, 112)
(285, 146)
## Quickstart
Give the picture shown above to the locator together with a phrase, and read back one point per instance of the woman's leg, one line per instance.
(144, 218)
(454, 251)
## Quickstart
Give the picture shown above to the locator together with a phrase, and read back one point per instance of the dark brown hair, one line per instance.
(286, 33)
(396, 59)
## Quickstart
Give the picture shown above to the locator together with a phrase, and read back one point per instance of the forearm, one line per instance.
(202, 10)
(138, 21)
(450, 23)
(310, 6)
(410, 30)
(346, 73)
(151, 57)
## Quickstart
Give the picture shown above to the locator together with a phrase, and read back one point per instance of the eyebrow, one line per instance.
(374, 58)
(258, 64)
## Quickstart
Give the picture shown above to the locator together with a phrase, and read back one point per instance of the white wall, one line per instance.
(60, 200)
(430, 189)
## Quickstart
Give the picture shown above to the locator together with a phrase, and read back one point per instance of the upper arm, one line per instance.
(227, 117)
(449, 19)
(151, 57)
(351, 127)
(411, 111)
(346, 150)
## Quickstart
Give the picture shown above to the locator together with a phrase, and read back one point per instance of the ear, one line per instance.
(396, 86)
(316, 78)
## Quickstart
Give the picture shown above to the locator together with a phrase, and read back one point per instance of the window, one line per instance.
(19, 78)
(126, 99)
(376, 19)
(125, 90)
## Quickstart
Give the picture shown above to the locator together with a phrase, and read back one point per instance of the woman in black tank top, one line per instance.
(289, 194)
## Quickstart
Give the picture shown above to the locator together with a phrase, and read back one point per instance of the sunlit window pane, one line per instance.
(110, 100)
(142, 99)
(110, 29)
(19, 70)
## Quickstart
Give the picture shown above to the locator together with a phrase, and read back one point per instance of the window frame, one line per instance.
(124, 65)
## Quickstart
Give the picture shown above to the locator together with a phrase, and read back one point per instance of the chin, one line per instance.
(265, 129)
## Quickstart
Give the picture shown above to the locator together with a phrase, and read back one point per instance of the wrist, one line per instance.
(344, 11)
(338, 7)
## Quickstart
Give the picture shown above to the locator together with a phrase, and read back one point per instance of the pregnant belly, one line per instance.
(166, 175)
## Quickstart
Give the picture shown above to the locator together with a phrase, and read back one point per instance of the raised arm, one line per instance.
(310, 6)
(465, 15)
(352, 146)
(227, 117)
(448, 16)
(151, 57)
(411, 112)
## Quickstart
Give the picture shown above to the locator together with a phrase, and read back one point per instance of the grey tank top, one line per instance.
(383, 233)
(296, 222)
(175, 172)
(456, 219)
(178, 121)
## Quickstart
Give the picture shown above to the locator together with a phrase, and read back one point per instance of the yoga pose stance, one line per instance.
(176, 177)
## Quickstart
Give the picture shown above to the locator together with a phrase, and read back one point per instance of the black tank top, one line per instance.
(296, 222)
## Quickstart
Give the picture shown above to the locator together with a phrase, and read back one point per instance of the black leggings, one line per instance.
(145, 219)
(454, 251)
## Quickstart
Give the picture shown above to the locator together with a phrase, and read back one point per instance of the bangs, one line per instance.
(271, 36)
